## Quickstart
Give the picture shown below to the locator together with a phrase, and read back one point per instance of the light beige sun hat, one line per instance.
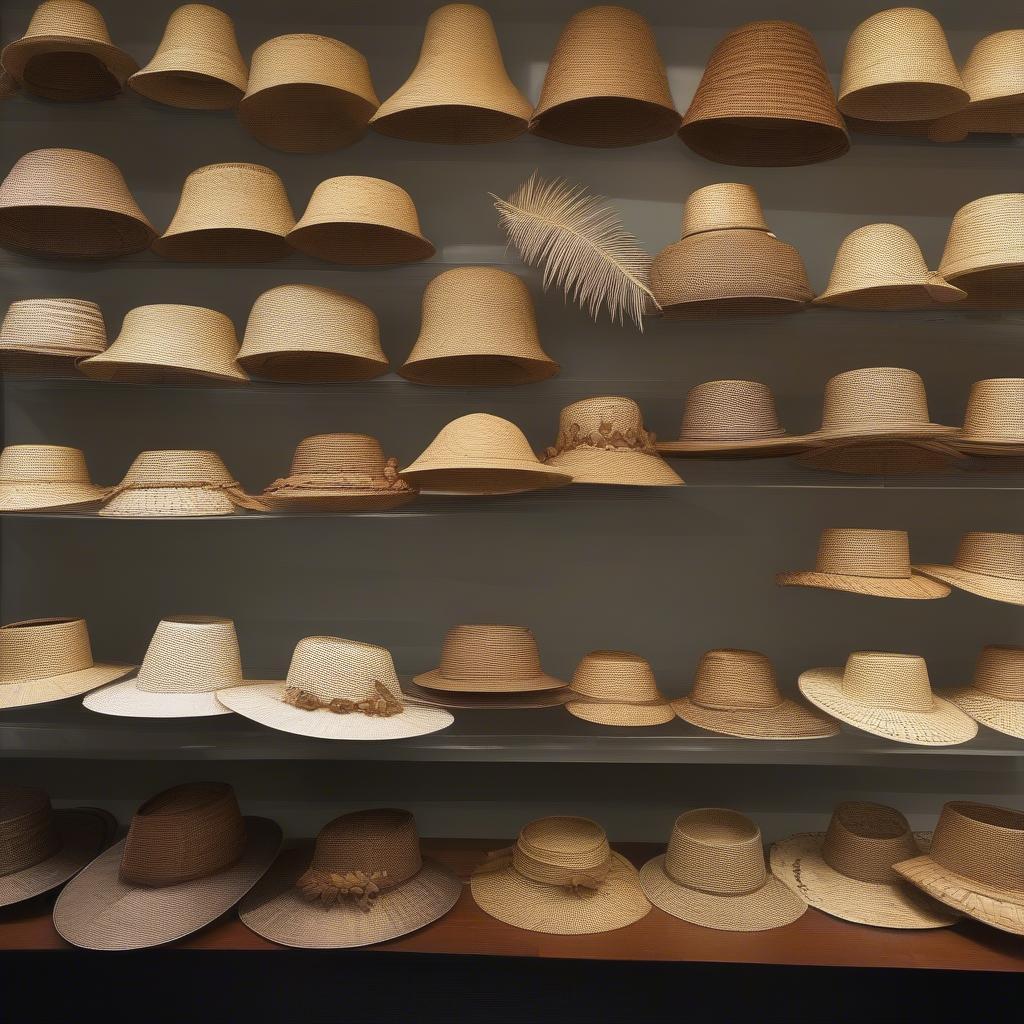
(862, 457)
(995, 696)
(46, 478)
(987, 564)
(617, 688)
(47, 336)
(993, 422)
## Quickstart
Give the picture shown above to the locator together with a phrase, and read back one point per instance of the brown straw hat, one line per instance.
(363, 881)
(307, 94)
(765, 100)
(197, 65)
(8, 85)
(714, 874)
(528, 700)
(847, 870)
(882, 458)
(478, 329)
(995, 696)
(987, 564)
(977, 121)
(735, 693)
(46, 478)
(69, 204)
(617, 688)
(561, 878)
(46, 336)
(189, 857)
(459, 91)
(993, 422)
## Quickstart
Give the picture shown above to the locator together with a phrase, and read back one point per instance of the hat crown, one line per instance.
(602, 417)
(878, 254)
(479, 436)
(864, 840)
(355, 454)
(992, 554)
(177, 468)
(167, 333)
(558, 850)
(305, 58)
(72, 324)
(879, 554)
(979, 237)
(330, 668)
(615, 675)
(729, 679)
(240, 196)
(730, 410)
(199, 27)
(982, 842)
(995, 408)
(43, 648)
(357, 199)
(717, 851)
(28, 834)
(372, 841)
(1000, 672)
(475, 652)
(893, 681)
(723, 206)
(68, 178)
(43, 463)
(993, 69)
(873, 397)
(70, 18)
(191, 654)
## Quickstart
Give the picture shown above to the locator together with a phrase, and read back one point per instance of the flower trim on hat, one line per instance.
(606, 438)
(381, 703)
(332, 887)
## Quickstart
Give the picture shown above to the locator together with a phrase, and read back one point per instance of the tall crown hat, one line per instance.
(987, 564)
(44, 337)
(46, 478)
(617, 688)
(994, 420)
(995, 696)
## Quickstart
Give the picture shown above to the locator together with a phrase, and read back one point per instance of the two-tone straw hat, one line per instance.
(47, 336)
(993, 422)
(863, 457)
(189, 857)
(46, 478)
(617, 688)
(995, 696)
(987, 564)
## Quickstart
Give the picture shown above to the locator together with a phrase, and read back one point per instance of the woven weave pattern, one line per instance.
(483, 653)
(897, 681)
(191, 654)
(369, 842)
(729, 410)
(864, 840)
(358, 455)
(992, 554)
(874, 553)
(64, 327)
(42, 648)
(874, 399)
(1000, 672)
(43, 464)
(994, 71)
(555, 851)
(986, 235)
(27, 832)
(721, 207)
(716, 851)
(995, 411)
(728, 679)
(981, 842)
(331, 668)
(615, 676)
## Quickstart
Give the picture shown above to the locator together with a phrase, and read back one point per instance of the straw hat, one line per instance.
(337, 690)
(189, 857)
(987, 564)
(363, 881)
(765, 100)
(46, 478)
(735, 693)
(67, 54)
(478, 329)
(977, 121)
(339, 473)
(69, 204)
(361, 221)
(166, 344)
(307, 94)
(882, 458)
(995, 696)
(975, 864)
(197, 65)
(993, 422)
(847, 871)
(46, 336)
(561, 878)
(617, 688)
(994, 72)
(528, 700)
(888, 695)
(459, 91)
(713, 874)
(44, 660)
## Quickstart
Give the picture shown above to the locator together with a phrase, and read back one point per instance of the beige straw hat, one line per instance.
(197, 65)
(46, 336)
(46, 478)
(617, 688)
(459, 91)
(847, 871)
(67, 54)
(307, 94)
(882, 458)
(561, 878)
(527, 700)
(189, 857)
(714, 874)
(363, 881)
(995, 696)
(993, 422)
(987, 564)
(977, 121)
(735, 693)
(478, 329)
(43, 660)
(69, 204)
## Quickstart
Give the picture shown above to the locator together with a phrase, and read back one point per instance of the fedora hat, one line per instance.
(765, 100)
(862, 457)
(888, 695)
(46, 336)
(617, 688)
(993, 422)
(339, 473)
(44, 660)
(995, 696)
(987, 564)
(478, 329)
(66, 53)
(847, 871)
(459, 91)
(735, 693)
(189, 857)
(69, 204)
(46, 478)
(197, 65)
(337, 690)
(713, 874)
(307, 94)
(561, 878)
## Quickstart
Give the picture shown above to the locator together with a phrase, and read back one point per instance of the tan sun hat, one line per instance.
(46, 478)
(993, 422)
(617, 688)
(862, 457)
(478, 329)
(995, 696)
(987, 564)
(977, 121)
(560, 878)
(47, 336)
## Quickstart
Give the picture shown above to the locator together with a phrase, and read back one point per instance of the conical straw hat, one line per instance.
(606, 83)
(197, 65)
(617, 688)
(459, 91)
(45, 336)
(765, 100)
(478, 328)
(994, 420)
(987, 564)
(994, 72)
(46, 478)
(995, 696)
(69, 204)
(861, 457)
(307, 94)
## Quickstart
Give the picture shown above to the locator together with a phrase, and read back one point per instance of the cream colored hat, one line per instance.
(46, 336)
(46, 478)
(987, 564)
(993, 422)
(617, 688)
(861, 457)
(995, 696)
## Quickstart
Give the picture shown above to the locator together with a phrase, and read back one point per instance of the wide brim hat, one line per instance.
(482, 700)
(25, 692)
(915, 587)
(47, 497)
(885, 456)
(620, 467)
(930, 292)
(1005, 716)
(997, 551)
(619, 713)
(754, 447)
(787, 720)
(485, 688)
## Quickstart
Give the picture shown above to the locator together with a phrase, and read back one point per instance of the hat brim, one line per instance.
(734, 305)
(50, 497)
(624, 715)
(127, 700)
(994, 286)
(494, 478)
(1005, 716)
(910, 588)
(108, 367)
(765, 141)
(450, 124)
(307, 366)
(17, 56)
(26, 692)
(72, 232)
(222, 245)
(191, 79)
(305, 117)
(359, 244)
(752, 447)
(483, 369)
(434, 680)
(993, 447)
(486, 700)
(25, 361)
(787, 720)
(168, 503)
(605, 122)
(912, 98)
(993, 587)
(896, 297)
(623, 467)
(908, 432)
(307, 500)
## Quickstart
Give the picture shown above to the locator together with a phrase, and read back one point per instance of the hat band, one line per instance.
(976, 571)
(632, 439)
(380, 703)
(737, 706)
(734, 434)
(330, 888)
(579, 881)
(233, 489)
(320, 481)
(575, 697)
(688, 883)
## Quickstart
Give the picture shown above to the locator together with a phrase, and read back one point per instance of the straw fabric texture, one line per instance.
(69, 204)
(8, 86)
(478, 329)
(994, 420)
(994, 72)
(307, 94)
(46, 336)
(459, 91)
(888, 695)
(617, 688)
(1007, 120)
(995, 696)
(765, 100)
(861, 457)
(189, 856)
(46, 478)
(526, 700)
(363, 881)
(714, 874)
(987, 564)
(735, 693)
(560, 878)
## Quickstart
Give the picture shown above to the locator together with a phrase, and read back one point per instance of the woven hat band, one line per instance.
(339, 454)
(191, 654)
(722, 207)
(43, 648)
(875, 397)
(68, 18)
(716, 851)
(730, 680)
(574, 876)
(1000, 672)
(329, 669)
(497, 652)
(893, 681)
(864, 840)
(27, 832)
(616, 677)
(992, 554)
(879, 554)
(40, 463)
(994, 409)
(982, 842)
(730, 410)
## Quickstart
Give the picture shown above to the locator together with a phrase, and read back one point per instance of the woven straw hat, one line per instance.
(478, 329)
(994, 420)
(527, 700)
(459, 91)
(765, 100)
(617, 688)
(714, 874)
(197, 65)
(847, 871)
(988, 564)
(561, 878)
(995, 696)
(735, 693)
(46, 478)
(882, 458)
(46, 336)
(976, 121)
(189, 857)
(69, 204)
(307, 94)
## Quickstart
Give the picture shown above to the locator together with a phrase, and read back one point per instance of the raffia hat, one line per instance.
(862, 457)
(617, 688)
(987, 564)
(307, 94)
(765, 100)
(995, 696)
(46, 478)
(994, 420)
(189, 857)
(478, 329)
(46, 336)
(561, 878)
(69, 204)
(459, 91)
